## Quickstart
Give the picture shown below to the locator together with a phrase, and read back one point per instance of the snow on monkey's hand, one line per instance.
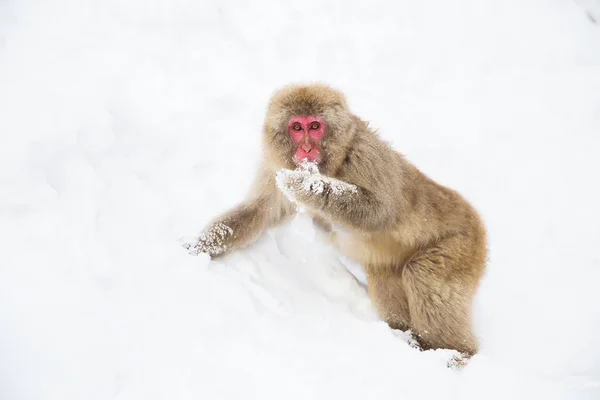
(213, 241)
(305, 186)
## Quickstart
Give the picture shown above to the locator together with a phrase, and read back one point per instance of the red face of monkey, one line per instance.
(306, 131)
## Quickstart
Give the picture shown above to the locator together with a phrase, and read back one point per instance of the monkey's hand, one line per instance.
(213, 241)
(339, 202)
(314, 190)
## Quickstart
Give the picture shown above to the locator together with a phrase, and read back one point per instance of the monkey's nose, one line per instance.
(306, 147)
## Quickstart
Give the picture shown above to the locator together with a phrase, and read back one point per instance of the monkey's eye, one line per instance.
(296, 127)
(314, 126)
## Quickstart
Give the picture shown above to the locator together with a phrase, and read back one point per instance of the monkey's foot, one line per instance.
(407, 335)
(458, 361)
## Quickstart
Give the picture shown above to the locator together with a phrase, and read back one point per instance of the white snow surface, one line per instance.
(126, 125)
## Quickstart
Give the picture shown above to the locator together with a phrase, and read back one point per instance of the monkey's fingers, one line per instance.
(211, 249)
(214, 241)
(298, 185)
(194, 249)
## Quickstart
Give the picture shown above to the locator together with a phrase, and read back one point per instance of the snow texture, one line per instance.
(126, 124)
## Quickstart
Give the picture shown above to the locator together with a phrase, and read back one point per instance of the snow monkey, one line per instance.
(423, 247)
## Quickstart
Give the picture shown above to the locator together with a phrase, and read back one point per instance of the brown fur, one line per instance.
(422, 245)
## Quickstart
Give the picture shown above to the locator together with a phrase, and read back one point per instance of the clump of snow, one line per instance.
(211, 241)
(309, 166)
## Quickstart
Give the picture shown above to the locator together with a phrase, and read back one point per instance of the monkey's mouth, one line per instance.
(313, 155)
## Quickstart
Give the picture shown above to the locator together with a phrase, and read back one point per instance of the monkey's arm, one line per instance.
(240, 226)
(338, 201)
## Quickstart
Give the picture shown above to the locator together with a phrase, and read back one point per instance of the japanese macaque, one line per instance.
(423, 247)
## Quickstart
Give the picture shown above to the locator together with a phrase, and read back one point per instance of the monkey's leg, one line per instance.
(440, 282)
(386, 290)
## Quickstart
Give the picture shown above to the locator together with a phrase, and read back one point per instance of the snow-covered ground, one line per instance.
(126, 125)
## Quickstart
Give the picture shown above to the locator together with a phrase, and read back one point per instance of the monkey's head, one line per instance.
(307, 123)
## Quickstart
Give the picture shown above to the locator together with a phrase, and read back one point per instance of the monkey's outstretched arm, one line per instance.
(244, 223)
(338, 201)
